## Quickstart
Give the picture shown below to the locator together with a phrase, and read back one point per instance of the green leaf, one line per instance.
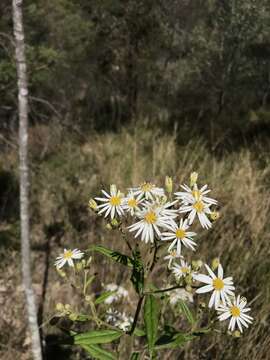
(173, 341)
(137, 276)
(151, 320)
(114, 255)
(98, 353)
(135, 356)
(185, 310)
(104, 296)
(97, 337)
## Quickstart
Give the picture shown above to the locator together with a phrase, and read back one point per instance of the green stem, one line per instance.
(141, 298)
(136, 316)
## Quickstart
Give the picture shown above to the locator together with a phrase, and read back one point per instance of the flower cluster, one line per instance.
(163, 218)
(158, 219)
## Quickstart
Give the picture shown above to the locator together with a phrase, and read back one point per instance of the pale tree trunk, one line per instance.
(24, 177)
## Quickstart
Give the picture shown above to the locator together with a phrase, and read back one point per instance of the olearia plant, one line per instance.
(156, 226)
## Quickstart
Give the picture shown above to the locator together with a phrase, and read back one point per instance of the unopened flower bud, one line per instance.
(73, 317)
(59, 307)
(79, 266)
(115, 223)
(163, 200)
(61, 272)
(93, 205)
(67, 308)
(88, 298)
(189, 279)
(243, 299)
(236, 334)
(214, 215)
(197, 264)
(215, 263)
(168, 184)
(113, 188)
(189, 288)
(193, 178)
(108, 226)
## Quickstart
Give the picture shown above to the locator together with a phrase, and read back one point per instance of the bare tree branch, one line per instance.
(24, 176)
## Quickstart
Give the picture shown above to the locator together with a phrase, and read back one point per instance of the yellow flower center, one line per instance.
(180, 233)
(146, 187)
(115, 200)
(184, 269)
(68, 254)
(218, 284)
(198, 206)
(132, 203)
(235, 311)
(196, 194)
(150, 217)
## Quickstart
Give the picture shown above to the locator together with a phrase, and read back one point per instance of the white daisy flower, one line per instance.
(181, 270)
(147, 190)
(189, 195)
(236, 311)
(131, 204)
(119, 292)
(178, 234)
(199, 208)
(222, 288)
(180, 294)
(111, 316)
(125, 322)
(164, 208)
(120, 320)
(148, 226)
(113, 202)
(67, 257)
(172, 257)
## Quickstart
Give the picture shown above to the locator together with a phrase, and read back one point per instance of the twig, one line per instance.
(24, 177)
(164, 290)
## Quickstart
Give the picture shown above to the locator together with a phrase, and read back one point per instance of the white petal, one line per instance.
(220, 271)
(203, 278)
(212, 300)
(210, 271)
(224, 316)
(204, 289)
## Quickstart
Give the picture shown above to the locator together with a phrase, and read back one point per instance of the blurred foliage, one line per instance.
(102, 64)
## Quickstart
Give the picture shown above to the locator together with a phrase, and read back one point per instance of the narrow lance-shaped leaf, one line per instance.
(97, 337)
(174, 341)
(113, 255)
(98, 353)
(185, 310)
(151, 312)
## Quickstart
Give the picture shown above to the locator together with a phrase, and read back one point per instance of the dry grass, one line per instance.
(66, 173)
